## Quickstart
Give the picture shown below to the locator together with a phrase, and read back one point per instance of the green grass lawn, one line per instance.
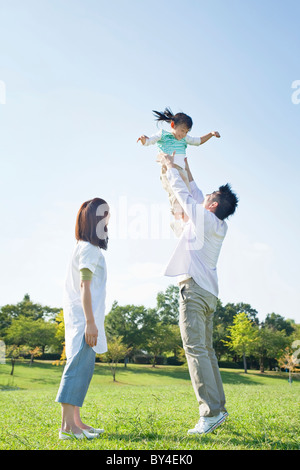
(148, 408)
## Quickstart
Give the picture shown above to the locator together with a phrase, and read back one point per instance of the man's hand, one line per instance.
(143, 139)
(167, 160)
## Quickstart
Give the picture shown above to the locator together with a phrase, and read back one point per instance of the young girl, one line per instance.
(175, 141)
(84, 310)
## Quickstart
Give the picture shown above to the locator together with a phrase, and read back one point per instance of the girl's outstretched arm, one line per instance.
(206, 137)
(201, 140)
(150, 140)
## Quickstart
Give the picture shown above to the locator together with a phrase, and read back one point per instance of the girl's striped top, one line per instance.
(167, 143)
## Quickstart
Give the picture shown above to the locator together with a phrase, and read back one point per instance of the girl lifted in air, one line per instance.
(175, 141)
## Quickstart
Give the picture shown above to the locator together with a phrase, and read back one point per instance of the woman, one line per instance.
(84, 310)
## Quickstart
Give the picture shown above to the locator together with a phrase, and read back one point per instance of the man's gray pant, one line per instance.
(197, 307)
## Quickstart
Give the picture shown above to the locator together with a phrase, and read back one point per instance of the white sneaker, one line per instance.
(207, 424)
(64, 435)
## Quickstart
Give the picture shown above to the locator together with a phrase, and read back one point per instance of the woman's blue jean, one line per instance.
(77, 376)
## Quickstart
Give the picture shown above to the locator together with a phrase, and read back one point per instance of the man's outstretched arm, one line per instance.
(195, 191)
(191, 206)
(190, 176)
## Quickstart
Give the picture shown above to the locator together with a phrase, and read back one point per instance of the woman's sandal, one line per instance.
(64, 435)
(95, 430)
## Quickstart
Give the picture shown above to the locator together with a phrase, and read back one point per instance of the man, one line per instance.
(194, 261)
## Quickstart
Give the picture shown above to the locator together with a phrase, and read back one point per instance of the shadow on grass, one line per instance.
(234, 376)
(222, 438)
(135, 437)
(236, 440)
(38, 372)
(48, 374)
(123, 373)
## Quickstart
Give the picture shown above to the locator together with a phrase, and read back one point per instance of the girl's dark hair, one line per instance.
(90, 223)
(227, 201)
(179, 118)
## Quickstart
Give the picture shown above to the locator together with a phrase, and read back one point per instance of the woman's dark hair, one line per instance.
(91, 222)
(179, 118)
(227, 201)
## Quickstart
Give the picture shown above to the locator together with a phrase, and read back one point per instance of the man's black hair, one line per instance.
(227, 201)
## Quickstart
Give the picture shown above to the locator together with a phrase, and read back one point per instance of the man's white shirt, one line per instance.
(198, 248)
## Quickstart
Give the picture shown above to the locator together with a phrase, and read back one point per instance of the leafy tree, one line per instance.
(14, 352)
(223, 319)
(181, 355)
(168, 305)
(164, 338)
(296, 334)
(26, 308)
(116, 351)
(231, 310)
(242, 336)
(221, 323)
(133, 323)
(34, 352)
(269, 344)
(2, 352)
(5, 322)
(278, 323)
(60, 335)
(176, 343)
(60, 327)
(62, 360)
(289, 361)
(250, 312)
(26, 330)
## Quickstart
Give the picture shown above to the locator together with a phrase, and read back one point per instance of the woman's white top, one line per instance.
(85, 255)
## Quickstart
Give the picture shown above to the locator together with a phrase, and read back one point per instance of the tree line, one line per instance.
(139, 334)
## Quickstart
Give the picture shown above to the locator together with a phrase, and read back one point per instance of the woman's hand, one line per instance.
(91, 333)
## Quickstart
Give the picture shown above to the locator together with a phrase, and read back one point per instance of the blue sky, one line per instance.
(81, 80)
